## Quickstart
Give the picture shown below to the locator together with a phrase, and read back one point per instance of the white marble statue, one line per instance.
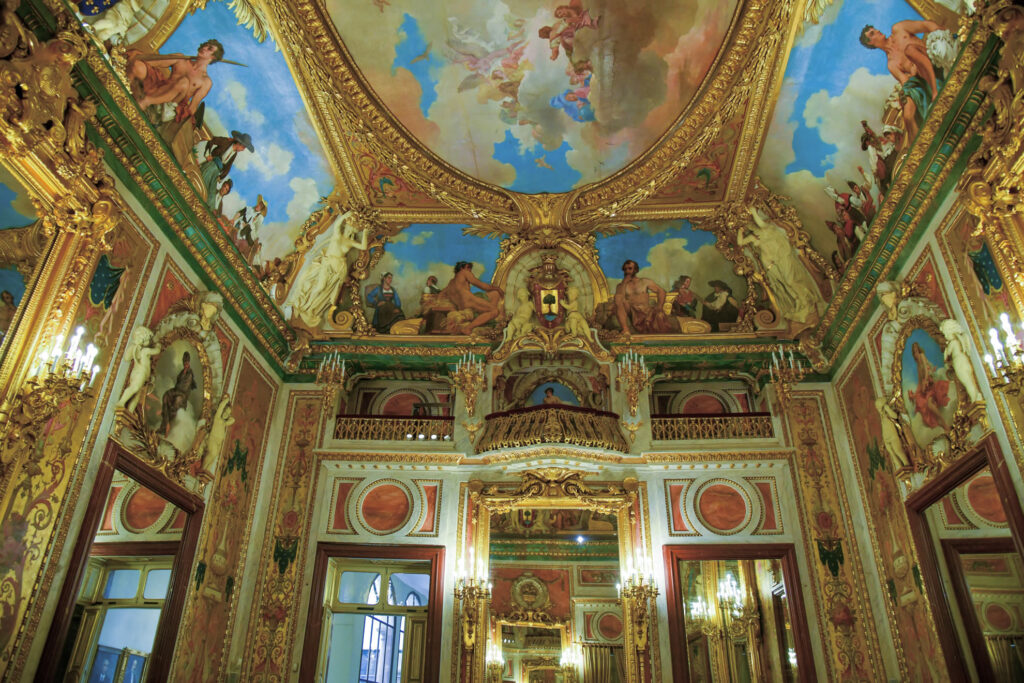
(575, 323)
(317, 284)
(222, 419)
(141, 351)
(956, 355)
(521, 323)
(117, 20)
(794, 290)
(891, 434)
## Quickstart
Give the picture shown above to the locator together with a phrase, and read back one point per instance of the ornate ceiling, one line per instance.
(605, 130)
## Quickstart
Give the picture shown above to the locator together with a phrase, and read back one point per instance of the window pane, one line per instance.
(157, 581)
(131, 627)
(409, 589)
(122, 584)
(359, 587)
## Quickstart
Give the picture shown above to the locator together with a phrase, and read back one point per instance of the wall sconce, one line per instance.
(1005, 364)
(637, 593)
(330, 375)
(572, 663)
(783, 373)
(495, 662)
(469, 380)
(61, 376)
(472, 594)
(632, 370)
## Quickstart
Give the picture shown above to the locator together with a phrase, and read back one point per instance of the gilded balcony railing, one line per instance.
(709, 427)
(551, 424)
(393, 428)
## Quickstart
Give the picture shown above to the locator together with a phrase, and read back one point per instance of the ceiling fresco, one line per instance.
(839, 133)
(535, 97)
(256, 159)
(332, 208)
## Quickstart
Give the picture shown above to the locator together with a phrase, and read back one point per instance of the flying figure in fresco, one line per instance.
(562, 34)
(910, 63)
(177, 78)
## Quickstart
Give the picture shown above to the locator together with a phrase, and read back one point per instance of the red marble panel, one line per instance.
(400, 404)
(997, 617)
(984, 499)
(953, 518)
(770, 522)
(722, 507)
(675, 496)
(610, 626)
(556, 581)
(703, 404)
(108, 515)
(429, 509)
(142, 509)
(340, 522)
(385, 507)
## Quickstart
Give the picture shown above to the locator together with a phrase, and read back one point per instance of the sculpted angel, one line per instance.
(891, 434)
(956, 355)
(316, 286)
(521, 323)
(141, 350)
(575, 323)
(796, 294)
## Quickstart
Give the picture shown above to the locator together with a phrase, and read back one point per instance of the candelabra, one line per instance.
(61, 376)
(784, 373)
(472, 594)
(469, 380)
(742, 616)
(1005, 364)
(495, 662)
(330, 375)
(633, 372)
(572, 663)
(637, 593)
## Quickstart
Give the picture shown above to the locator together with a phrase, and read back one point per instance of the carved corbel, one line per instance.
(23, 247)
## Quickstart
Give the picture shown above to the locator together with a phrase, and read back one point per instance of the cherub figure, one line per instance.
(891, 433)
(575, 323)
(222, 419)
(956, 355)
(521, 323)
(141, 350)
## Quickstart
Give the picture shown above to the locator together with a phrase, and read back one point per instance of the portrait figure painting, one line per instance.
(929, 393)
(175, 405)
(552, 393)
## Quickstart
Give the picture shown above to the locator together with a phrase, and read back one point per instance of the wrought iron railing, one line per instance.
(709, 427)
(551, 424)
(393, 428)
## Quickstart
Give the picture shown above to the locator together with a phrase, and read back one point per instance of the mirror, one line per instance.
(553, 575)
(737, 620)
(970, 528)
(122, 599)
(736, 613)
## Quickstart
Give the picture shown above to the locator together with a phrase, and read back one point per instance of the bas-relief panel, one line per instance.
(916, 642)
(838, 134)
(535, 98)
(221, 557)
(242, 135)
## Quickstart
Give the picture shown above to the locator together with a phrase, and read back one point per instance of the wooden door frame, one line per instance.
(116, 457)
(988, 453)
(325, 552)
(785, 552)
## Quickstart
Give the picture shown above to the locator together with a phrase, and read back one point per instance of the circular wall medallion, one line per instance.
(530, 593)
(722, 508)
(998, 617)
(609, 626)
(142, 509)
(984, 499)
(385, 508)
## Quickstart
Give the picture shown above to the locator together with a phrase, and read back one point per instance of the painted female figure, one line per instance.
(931, 394)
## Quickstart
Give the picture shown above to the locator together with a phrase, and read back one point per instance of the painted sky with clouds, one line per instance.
(832, 82)
(289, 167)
